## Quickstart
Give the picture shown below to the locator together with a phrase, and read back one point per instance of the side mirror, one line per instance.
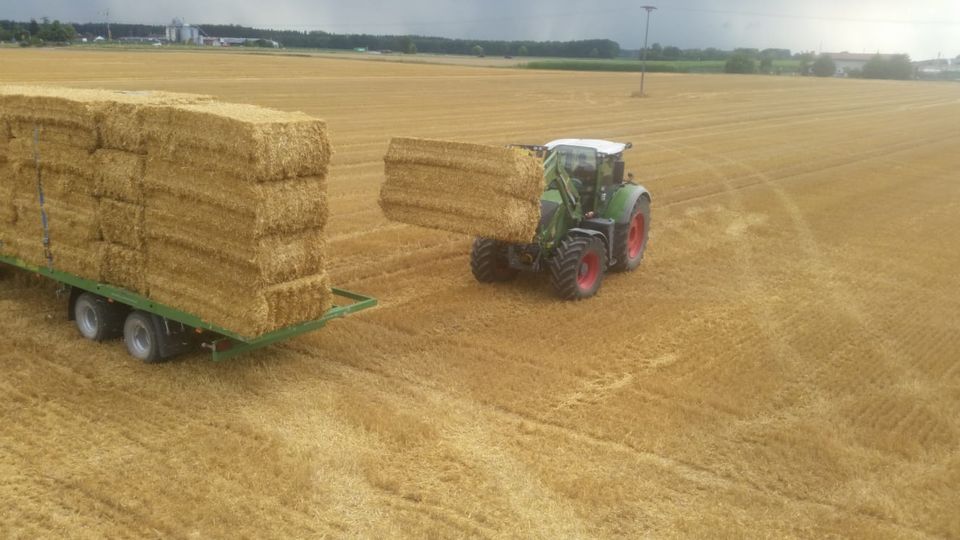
(618, 168)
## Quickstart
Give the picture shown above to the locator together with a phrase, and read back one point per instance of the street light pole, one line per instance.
(643, 72)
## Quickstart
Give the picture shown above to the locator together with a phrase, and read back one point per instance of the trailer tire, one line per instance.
(142, 338)
(97, 319)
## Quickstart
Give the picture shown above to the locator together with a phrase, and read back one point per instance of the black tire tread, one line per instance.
(111, 318)
(565, 265)
(622, 236)
(484, 257)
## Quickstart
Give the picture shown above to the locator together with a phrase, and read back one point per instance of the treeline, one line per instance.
(37, 33)
(673, 53)
(589, 48)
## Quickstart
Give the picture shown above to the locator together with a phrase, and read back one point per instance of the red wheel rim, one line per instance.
(635, 240)
(589, 271)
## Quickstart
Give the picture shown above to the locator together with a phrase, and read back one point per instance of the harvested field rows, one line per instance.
(786, 362)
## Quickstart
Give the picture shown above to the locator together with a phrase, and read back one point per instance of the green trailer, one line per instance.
(154, 332)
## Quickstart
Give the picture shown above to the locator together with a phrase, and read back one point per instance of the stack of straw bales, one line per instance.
(473, 189)
(214, 209)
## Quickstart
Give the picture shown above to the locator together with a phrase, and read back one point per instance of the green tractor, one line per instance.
(592, 220)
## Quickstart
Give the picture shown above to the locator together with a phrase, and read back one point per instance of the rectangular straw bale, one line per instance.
(49, 105)
(251, 313)
(119, 175)
(465, 188)
(74, 222)
(122, 223)
(267, 261)
(53, 156)
(8, 213)
(124, 267)
(264, 208)
(121, 118)
(59, 134)
(244, 141)
(83, 260)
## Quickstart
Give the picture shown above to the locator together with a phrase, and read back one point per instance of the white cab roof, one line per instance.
(602, 147)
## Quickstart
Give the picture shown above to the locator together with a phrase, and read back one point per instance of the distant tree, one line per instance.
(766, 65)
(522, 51)
(477, 50)
(740, 63)
(824, 66)
(595, 53)
(900, 67)
(655, 52)
(895, 67)
(33, 27)
(6, 35)
(407, 45)
(671, 53)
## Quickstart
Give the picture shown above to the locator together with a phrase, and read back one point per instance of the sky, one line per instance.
(922, 28)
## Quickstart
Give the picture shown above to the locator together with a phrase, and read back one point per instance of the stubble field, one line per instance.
(786, 361)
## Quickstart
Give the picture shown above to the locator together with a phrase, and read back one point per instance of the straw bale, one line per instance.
(244, 141)
(124, 267)
(508, 170)
(8, 213)
(121, 119)
(54, 157)
(119, 175)
(4, 137)
(84, 260)
(58, 186)
(57, 134)
(265, 208)
(248, 312)
(52, 105)
(85, 117)
(465, 188)
(122, 223)
(74, 222)
(267, 261)
(297, 301)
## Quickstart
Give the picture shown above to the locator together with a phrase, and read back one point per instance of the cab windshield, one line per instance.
(577, 161)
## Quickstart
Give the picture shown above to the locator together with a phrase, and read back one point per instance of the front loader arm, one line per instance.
(555, 174)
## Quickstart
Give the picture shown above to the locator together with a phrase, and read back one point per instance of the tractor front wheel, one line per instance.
(489, 262)
(577, 267)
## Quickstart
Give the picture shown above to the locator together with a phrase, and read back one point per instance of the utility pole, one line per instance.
(109, 36)
(643, 72)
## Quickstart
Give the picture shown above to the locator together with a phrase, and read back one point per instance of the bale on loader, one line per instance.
(466, 188)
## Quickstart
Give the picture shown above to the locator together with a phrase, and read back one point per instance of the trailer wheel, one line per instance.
(97, 319)
(141, 337)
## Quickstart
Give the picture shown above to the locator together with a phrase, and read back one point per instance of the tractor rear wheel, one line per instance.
(631, 237)
(489, 262)
(577, 267)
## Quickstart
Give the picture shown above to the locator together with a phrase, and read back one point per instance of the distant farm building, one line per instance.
(234, 42)
(181, 32)
(847, 62)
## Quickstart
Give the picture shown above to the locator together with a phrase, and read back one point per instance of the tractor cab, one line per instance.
(595, 166)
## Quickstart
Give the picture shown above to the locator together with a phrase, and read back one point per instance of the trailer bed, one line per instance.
(222, 343)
